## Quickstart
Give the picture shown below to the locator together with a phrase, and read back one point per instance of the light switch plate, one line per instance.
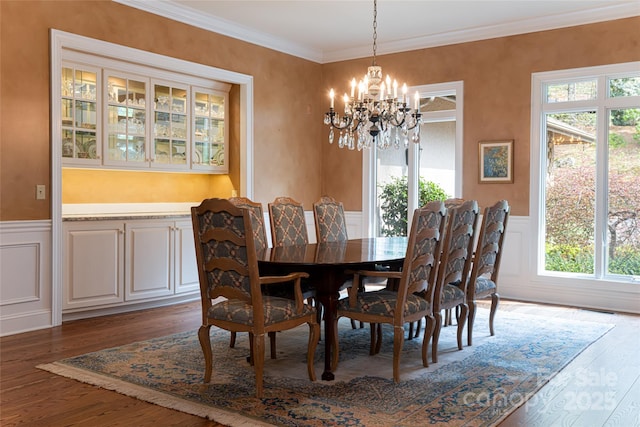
(41, 192)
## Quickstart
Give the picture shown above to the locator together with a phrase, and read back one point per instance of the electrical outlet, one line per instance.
(234, 193)
(41, 192)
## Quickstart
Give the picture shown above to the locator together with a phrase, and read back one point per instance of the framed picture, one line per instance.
(496, 161)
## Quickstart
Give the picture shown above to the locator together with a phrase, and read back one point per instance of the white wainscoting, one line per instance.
(518, 279)
(25, 276)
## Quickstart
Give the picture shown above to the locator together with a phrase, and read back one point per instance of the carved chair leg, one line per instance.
(314, 337)
(258, 363)
(418, 327)
(436, 336)
(272, 344)
(471, 318)
(232, 340)
(462, 317)
(205, 343)
(495, 300)
(372, 346)
(398, 342)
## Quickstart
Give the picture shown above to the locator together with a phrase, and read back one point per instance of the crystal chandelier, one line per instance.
(374, 113)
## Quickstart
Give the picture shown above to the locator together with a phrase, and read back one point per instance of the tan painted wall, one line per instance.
(496, 74)
(286, 153)
(497, 94)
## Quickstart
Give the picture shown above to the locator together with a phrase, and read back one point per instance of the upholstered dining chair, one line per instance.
(288, 225)
(331, 225)
(455, 263)
(404, 305)
(483, 280)
(289, 228)
(261, 243)
(450, 204)
(228, 267)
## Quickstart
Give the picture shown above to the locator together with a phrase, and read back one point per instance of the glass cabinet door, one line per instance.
(170, 125)
(126, 120)
(209, 137)
(80, 114)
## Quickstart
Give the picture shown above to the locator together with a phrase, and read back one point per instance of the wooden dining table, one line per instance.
(328, 265)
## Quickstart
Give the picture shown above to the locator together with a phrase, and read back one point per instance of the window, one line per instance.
(586, 183)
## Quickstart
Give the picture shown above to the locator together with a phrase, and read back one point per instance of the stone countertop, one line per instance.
(127, 217)
(127, 211)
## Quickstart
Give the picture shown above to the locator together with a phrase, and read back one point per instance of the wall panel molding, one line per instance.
(25, 276)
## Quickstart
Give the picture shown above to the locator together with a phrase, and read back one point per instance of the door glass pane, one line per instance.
(391, 192)
(623, 244)
(437, 161)
(570, 192)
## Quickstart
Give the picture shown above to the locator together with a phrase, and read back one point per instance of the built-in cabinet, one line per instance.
(123, 120)
(114, 262)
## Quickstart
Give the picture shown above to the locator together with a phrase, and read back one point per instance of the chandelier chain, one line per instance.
(375, 30)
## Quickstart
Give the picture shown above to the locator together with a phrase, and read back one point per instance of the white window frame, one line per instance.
(369, 173)
(568, 282)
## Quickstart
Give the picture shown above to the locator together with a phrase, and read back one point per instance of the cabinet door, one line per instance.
(185, 262)
(149, 271)
(126, 118)
(80, 110)
(94, 261)
(170, 126)
(210, 137)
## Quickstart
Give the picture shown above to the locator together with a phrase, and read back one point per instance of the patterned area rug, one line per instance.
(478, 386)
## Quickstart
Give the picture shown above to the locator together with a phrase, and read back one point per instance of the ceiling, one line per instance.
(328, 31)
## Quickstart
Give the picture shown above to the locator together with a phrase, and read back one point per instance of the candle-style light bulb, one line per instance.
(404, 93)
(353, 87)
(332, 95)
(382, 92)
(395, 89)
(417, 101)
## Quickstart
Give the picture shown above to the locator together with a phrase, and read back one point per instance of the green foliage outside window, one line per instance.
(393, 203)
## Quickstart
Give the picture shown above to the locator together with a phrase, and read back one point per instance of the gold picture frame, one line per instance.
(495, 161)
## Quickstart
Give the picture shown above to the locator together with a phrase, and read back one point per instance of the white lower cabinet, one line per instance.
(149, 262)
(93, 263)
(109, 263)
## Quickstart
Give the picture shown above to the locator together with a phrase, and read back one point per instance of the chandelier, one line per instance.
(374, 114)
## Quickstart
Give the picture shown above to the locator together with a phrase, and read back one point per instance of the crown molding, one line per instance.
(188, 16)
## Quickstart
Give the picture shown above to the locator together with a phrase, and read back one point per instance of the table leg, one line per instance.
(328, 296)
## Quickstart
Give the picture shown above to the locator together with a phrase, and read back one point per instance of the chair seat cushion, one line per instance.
(383, 303)
(275, 310)
(451, 293)
(484, 285)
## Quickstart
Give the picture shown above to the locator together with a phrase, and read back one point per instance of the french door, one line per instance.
(397, 181)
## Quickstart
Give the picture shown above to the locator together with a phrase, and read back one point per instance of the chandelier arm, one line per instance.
(346, 119)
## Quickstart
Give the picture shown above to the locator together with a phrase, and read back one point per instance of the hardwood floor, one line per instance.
(600, 387)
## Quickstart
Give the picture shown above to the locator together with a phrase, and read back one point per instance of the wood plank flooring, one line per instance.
(600, 387)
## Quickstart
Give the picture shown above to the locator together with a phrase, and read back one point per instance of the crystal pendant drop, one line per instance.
(331, 136)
